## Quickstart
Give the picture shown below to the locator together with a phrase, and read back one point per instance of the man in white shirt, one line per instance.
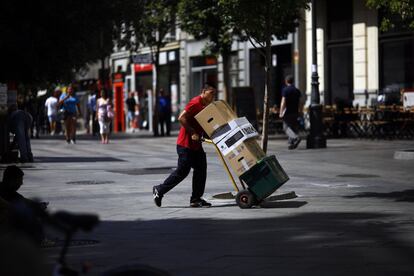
(51, 106)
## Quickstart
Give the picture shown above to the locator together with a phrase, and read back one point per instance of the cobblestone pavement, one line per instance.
(353, 214)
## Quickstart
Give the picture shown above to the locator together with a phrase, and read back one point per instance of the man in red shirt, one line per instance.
(190, 152)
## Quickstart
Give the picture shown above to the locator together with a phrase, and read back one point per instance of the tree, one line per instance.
(260, 22)
(399, 12)
(150, 30)
(204, 19)
(49, 40)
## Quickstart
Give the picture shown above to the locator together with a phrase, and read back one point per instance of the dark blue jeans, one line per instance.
(21, 123)
(188, 159)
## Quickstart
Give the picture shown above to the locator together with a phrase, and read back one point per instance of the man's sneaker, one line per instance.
(157, 196)
(200, 203)
(295, 143)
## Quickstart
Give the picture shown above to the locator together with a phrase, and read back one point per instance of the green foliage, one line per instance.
(395, 13)
(150, 26)
(258, 20)
(48, 40)
(205, 19)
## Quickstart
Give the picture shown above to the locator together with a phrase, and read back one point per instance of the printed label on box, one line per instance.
(234, 138)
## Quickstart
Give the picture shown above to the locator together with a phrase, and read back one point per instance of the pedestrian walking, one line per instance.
(19, 123)
(31, 106)
(104, 116)
(92, 113)
(190, 152)
(71, 109)
(164, 109)
(51, 109)
(289, 112)
(131, 106)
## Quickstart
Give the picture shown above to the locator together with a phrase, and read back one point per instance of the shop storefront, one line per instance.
(339, 50)
(396, 62)
(168, 81)
(281, 66)
(203, 69)
(118, 102)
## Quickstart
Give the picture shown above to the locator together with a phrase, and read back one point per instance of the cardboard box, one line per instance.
(235, 137)
(224, 130)
(215, 115)
(245, 156)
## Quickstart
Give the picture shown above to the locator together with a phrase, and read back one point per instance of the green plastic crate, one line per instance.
(265, 177)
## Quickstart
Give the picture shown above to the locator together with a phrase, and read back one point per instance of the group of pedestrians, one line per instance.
(137, 113)
(67, 104)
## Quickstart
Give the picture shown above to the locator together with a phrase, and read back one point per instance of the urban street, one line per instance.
(353, 214)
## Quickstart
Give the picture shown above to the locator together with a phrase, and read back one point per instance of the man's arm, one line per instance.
(282, 107)
(62, 100)
(184, 121)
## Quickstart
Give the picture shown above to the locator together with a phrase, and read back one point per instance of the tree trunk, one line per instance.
(268, 67)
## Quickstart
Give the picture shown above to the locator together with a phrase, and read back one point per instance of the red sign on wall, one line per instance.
(143, 67)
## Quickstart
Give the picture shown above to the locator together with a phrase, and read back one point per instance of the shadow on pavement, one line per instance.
(406, 195)
(317, 243)
(74, 159)
(213, 206)
(264, 204)
(283, 204)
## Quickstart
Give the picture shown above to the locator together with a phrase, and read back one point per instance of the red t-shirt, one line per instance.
(184, 137)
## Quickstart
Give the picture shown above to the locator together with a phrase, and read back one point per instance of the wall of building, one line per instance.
(365, 52)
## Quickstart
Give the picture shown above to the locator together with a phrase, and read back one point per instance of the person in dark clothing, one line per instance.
(164, 113)
(25, 213)
(31, 107)
(289, 112)
(190, 152)
(19, 123)
(131, 106)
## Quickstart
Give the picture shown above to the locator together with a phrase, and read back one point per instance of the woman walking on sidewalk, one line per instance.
(104, 116)
(70, 105)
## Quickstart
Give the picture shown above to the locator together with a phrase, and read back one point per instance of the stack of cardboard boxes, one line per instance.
(235, 137)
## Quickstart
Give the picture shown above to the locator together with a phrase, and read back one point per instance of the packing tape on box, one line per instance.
(245, 165)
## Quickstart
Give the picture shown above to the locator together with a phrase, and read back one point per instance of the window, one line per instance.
(396, 47)
(339, 16)
(234, 70)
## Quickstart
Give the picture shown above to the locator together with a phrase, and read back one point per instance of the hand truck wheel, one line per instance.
(245, 199)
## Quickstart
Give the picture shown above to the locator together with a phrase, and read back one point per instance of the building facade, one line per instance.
(356, 62)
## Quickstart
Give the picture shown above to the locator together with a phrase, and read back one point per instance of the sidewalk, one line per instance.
(353, 214)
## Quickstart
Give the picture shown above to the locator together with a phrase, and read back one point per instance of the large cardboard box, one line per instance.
(224, 130)
(215, 115)
(235, 137)
(244, 156)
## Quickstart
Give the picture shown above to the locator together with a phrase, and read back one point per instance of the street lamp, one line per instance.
(316, 139)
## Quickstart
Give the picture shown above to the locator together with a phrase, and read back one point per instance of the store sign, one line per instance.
(163, 58)
(142, 58)
(143, 67)
(171, 56)
(211, 61)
